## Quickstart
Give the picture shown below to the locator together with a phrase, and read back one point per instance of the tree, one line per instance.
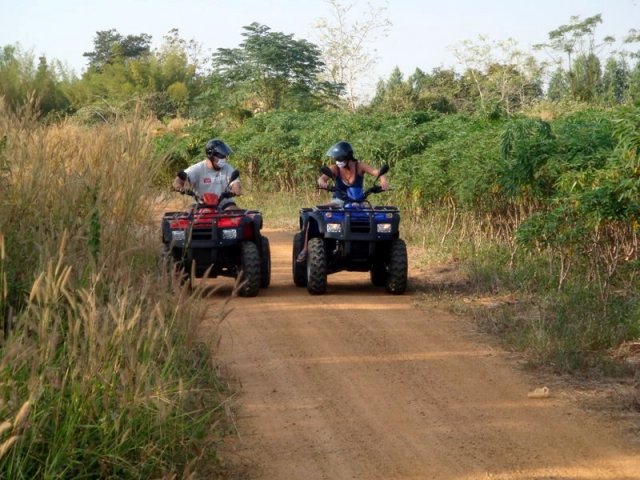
(14, 73)
(615, 81)
(395, 95)
(500, 72)
(558, 88)
(125, 73)
(632, 37)
(634, 85)
(586, 77)
(177, 59)
(22, 81)
(633, 90)
(344, 46)
(46, 87)
(439, 90)
(577, 41)
(273, 70)
(110, 46)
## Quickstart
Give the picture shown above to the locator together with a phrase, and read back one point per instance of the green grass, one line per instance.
(569, 329)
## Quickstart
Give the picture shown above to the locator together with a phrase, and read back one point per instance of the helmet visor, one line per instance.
(218, 149)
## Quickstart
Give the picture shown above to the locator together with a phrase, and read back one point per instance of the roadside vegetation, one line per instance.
(104, 372)
(525, 175)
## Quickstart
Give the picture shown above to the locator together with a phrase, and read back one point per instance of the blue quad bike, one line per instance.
(207, 241)
(354, 237)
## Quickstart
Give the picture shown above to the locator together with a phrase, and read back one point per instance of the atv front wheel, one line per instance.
(316, 267)
(298, 268)
(397, 268)
(249, 269)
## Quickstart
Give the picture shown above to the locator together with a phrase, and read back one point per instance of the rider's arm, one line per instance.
(323, 180)
(178, 182)
(384, 183)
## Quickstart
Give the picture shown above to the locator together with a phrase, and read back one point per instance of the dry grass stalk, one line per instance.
(5, 427)
(6, 446)
(22, 415)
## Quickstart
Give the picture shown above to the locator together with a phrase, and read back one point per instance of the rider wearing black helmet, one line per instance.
(211, 175)
(347, 172)
(216, 148)
(340, 151)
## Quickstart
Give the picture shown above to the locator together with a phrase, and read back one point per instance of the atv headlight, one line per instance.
(384, 228)
(177, 235)
(229, 234)
(334, 227)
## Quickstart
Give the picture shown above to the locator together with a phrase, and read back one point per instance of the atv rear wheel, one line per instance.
(249, 269)
(316, 267)
(265, 264)
(397, 268)
(299, 269)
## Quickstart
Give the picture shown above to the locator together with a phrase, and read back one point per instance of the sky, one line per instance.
(422, 35)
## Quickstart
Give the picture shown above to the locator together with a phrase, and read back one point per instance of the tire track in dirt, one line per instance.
(358, 384)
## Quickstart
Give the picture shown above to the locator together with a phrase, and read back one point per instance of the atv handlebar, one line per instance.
(366, 193)
(192, 193)
(329, 188)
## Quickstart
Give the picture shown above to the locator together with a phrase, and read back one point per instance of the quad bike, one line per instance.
(353, 237)
(207, 241)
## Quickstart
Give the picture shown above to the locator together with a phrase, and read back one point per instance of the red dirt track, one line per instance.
(359, 384)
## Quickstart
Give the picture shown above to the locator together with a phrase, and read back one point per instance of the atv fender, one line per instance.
(315, 221)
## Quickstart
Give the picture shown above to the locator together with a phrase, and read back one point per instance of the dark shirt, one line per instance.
(341, 186)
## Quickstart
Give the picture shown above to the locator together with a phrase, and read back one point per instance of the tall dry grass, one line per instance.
(103, 372)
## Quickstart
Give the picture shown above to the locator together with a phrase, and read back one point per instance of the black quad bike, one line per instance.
(356, 237)
(207, 241)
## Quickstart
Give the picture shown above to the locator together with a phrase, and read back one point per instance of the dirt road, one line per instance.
(357, 384)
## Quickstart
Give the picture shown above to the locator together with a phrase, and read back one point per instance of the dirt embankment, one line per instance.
(357, 384)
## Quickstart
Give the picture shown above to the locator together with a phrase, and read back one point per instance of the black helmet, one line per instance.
(218, 148)
(341, 151)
